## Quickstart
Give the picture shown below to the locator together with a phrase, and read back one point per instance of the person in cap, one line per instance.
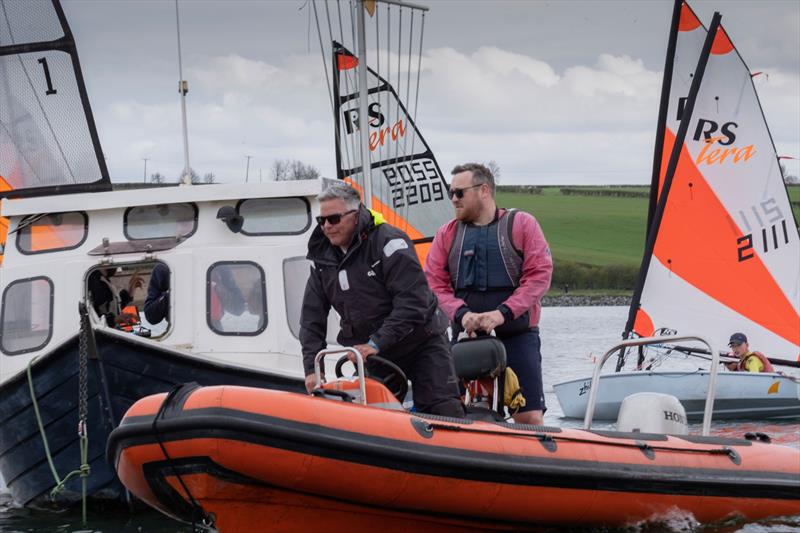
(369, 272)
(748, 361)
(490, 267)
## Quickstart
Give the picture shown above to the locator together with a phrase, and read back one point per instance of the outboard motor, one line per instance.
(652, 412)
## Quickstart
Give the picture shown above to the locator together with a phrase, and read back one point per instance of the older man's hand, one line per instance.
(311, 381)
(364, 349)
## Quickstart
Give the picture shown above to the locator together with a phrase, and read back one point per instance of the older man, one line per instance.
(489, 268)
(369, 272)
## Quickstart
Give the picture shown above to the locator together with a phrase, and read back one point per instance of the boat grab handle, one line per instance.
(712, 375)
(362, 384)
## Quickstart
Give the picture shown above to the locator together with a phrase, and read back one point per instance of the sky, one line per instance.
(555, 92)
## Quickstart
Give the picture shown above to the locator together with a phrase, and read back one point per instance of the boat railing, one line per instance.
(642, 341)
(362, 384)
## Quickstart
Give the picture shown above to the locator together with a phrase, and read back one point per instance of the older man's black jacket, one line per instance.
(377, 287)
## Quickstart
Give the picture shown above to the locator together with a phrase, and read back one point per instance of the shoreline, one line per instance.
(577, 300)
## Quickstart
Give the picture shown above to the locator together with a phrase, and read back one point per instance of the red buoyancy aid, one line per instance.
(761, 357)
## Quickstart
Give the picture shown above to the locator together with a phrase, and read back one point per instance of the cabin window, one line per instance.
(295, 277)
(26, 320)
(275, 216)
(236, 298)
(119, 297)
(160, 221)
(52, 232)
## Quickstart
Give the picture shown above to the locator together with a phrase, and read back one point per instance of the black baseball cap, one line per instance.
(737, 338)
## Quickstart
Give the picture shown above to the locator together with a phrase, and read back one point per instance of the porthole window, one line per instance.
(52, 232)
(26, 320)
(236, 298)
(275, 216)
(160, 221)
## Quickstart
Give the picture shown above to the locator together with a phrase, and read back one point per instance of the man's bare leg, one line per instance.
(530, 417)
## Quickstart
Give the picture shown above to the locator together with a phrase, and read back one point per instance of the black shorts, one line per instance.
(523, 353)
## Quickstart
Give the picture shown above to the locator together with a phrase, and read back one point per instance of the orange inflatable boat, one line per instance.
(245, 459)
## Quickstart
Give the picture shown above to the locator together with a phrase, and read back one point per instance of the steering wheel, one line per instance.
(395, 380)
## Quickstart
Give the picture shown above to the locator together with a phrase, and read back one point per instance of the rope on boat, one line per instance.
(84, 469)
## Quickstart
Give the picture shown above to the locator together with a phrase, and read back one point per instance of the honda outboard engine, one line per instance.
(651, 412)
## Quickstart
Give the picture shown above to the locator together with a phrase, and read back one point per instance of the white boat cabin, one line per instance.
(234, 297)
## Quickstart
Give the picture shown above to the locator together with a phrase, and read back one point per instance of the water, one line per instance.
(571, 336)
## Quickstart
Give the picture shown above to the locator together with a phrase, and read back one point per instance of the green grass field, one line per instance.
(595, 230)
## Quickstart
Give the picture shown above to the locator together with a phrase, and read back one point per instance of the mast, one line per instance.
(671, 167)
(666, 83)
(363, 104)
(183, 88)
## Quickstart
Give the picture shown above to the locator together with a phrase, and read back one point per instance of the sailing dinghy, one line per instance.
(722, 253)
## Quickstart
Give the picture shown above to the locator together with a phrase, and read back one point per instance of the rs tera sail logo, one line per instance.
(717, 148)
(376, 120)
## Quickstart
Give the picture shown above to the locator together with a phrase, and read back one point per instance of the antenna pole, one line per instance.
(145, 159)
(363, 96)
(183, 88)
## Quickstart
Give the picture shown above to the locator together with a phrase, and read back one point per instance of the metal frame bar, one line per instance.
(404, 4)
(712, 375)
(359, 364)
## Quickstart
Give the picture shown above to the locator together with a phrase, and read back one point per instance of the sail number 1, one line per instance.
(47, 78)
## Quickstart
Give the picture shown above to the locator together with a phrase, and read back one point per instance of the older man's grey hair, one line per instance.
(341, 191)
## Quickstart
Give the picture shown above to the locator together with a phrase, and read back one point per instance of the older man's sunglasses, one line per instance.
(459, 193)
(334, 218)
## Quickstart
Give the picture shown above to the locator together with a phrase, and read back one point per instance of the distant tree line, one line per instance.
(583, 276)
(289, 170)
(524, 189)
(585, 191)
(281, 170)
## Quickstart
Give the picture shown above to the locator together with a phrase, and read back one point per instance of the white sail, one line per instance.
(726, 256)
(407, 185)
(690, 34)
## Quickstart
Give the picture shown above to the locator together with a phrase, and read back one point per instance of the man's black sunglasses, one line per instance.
(459, 193)
(334, 218)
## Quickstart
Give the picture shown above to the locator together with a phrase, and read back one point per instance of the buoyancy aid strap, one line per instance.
(454, 258)
(512, 258)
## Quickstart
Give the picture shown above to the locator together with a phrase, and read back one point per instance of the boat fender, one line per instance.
(425, 429)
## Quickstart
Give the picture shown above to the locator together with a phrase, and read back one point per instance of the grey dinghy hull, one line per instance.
(738, 394)
(132, 369)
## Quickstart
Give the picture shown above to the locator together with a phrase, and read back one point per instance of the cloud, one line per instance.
(589, 123)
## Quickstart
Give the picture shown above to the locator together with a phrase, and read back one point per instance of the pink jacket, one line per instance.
(537, 267)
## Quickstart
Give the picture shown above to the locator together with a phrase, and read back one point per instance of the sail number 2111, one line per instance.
(768, 230)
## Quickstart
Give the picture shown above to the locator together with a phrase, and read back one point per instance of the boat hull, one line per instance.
(738, 394)
(250, 456)
(124, 372)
